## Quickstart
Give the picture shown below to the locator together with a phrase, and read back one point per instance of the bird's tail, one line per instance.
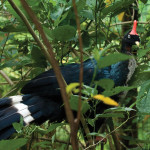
(31, 108)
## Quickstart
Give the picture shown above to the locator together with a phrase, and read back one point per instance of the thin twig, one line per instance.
(110, 133)
(96, 21)
(5, 83)
(88, 25)
(6, 77)
(15, 88)
(81, 63)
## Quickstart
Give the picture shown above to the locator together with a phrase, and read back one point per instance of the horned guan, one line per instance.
(41, 99)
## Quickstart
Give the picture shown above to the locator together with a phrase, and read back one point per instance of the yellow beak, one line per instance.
(137, 43)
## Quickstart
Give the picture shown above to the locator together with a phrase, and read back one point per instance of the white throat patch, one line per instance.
(132, 66)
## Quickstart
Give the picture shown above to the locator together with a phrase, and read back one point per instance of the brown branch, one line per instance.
(47, 50)
(5, 83)
(6, 77)
(81, 61)
(15, 88)
(80, 143)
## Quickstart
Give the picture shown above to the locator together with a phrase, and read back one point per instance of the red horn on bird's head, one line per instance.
(133, 32)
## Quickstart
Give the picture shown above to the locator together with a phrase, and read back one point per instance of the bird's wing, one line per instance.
(46, 83)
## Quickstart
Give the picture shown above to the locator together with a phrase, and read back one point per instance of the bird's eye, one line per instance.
(129, 36)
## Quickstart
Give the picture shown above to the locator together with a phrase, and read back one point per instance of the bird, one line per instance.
(41, 98)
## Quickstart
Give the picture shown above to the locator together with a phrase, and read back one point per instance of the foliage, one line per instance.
(13, 144)
(143, 98)
(22, 60)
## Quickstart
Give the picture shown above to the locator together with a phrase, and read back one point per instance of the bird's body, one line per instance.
(42, 98)
(46, 83)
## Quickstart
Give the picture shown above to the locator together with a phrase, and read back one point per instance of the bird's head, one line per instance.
(130, 39)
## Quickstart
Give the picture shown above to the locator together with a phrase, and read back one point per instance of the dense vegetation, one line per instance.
(103, 24)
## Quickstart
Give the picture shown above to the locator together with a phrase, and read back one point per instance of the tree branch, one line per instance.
(81, 62)
(6, 77)
(47, 50)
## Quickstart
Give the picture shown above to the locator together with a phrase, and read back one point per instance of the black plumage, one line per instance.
(42, 99)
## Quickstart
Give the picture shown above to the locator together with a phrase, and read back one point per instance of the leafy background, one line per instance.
(21, 59)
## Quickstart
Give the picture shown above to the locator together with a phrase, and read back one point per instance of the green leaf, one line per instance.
(6, 39)
(12, 144)
(48, 33)
(116, 109)
(144, 1)
(41, 131)
(17, 62)
(50, 128)
(91, 122)
(63, 52)
(89, 91)
(143, 52)
(60, 19)
(54, 126)
(38, 57)
(90, 3)
(15, 88)
(74, 104)
(12, 28)
(118, 115)
(97, 134)
(18, 126)
(141, 75)
(63, 33)
(33, 4)
(106, 84)
(86, 39)
(112, 59)
(143, 98)
(116, 7)
(117, 90)
(98, 54)
(80, 5)
(87, 14)
(10, 63)
(53, 2)
(57, 14)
